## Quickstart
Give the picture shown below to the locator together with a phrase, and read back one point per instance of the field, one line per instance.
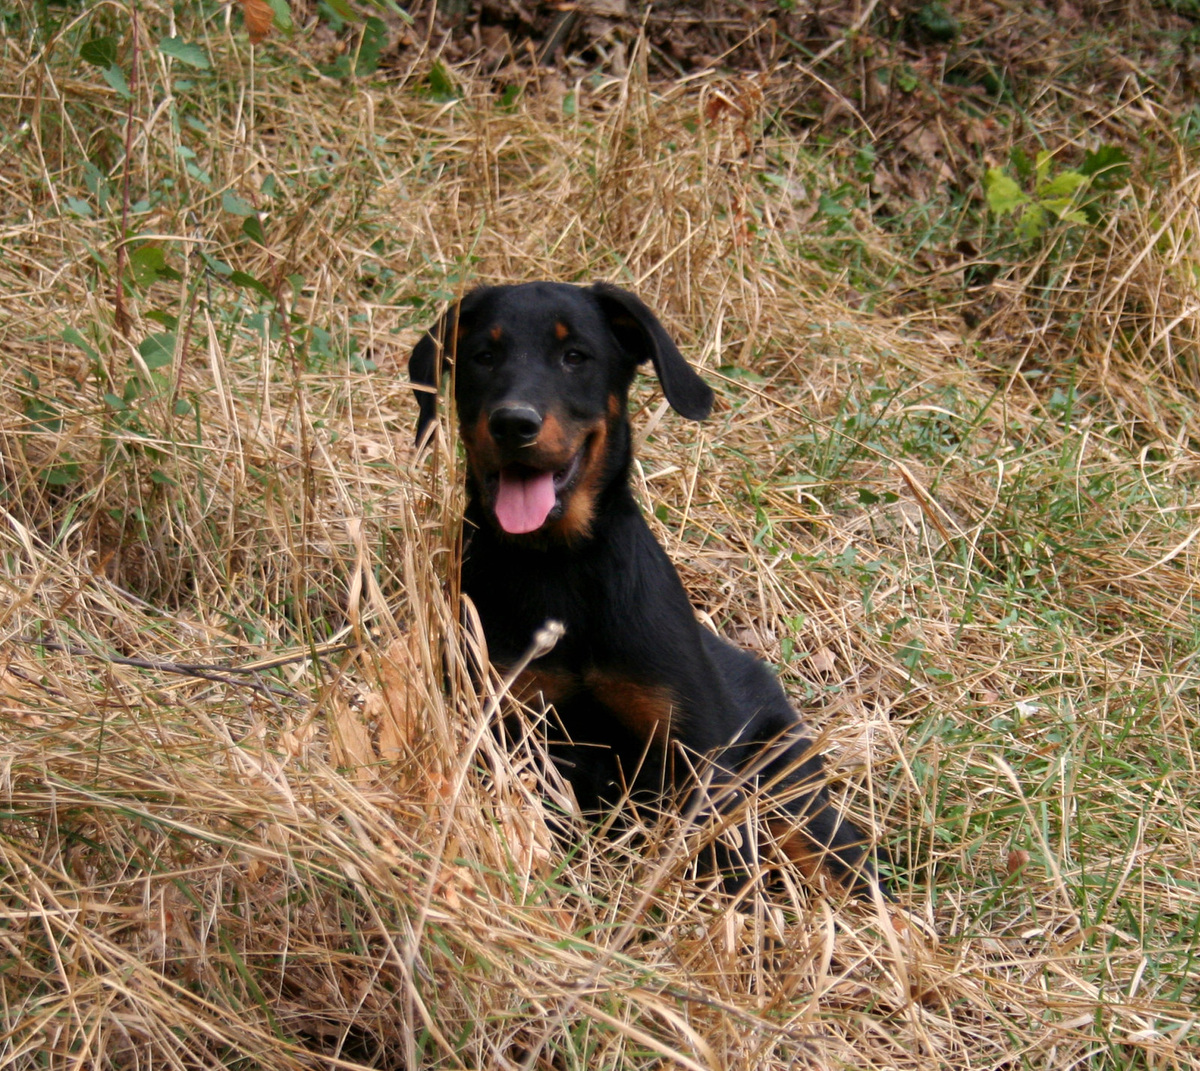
(946, 285)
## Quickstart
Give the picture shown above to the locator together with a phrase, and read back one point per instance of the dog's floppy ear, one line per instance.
(644, 338)
(432, 355)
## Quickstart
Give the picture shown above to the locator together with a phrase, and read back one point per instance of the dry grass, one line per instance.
(972, 553)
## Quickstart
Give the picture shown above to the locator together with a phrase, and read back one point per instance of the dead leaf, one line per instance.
(297, 740)
(260, 18)
(528, 839)
(1018, 859)
(453, 882)
(823, 661)
(351, 741)
(397, 702)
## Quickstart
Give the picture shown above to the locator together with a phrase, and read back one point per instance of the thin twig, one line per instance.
(215, 673)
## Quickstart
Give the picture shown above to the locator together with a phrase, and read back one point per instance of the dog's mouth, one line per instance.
(525, 498)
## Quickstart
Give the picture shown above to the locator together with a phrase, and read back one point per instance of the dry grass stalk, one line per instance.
(997, 637)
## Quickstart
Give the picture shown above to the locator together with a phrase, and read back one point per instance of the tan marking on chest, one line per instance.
(646, 710)
(545, 684)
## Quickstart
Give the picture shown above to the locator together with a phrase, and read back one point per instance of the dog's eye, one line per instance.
(574, 357)
(485, 358)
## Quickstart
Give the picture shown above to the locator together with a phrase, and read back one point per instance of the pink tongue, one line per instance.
(525, 500)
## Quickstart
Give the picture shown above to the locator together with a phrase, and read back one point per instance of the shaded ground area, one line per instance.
(918, 101)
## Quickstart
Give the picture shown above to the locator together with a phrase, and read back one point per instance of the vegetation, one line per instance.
(943, 275)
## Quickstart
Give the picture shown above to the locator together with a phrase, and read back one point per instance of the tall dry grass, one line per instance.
(253, 814)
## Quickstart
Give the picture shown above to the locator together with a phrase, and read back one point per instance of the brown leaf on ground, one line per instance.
(395, 704)
(350, 740)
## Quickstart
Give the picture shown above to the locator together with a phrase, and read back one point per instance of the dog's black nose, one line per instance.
(515, 424)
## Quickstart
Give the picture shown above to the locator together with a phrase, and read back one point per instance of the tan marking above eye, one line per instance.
(561, 331)
(495, 333)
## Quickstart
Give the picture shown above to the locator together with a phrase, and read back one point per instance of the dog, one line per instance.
(645, 704)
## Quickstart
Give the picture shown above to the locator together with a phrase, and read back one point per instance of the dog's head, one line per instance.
(541, 374)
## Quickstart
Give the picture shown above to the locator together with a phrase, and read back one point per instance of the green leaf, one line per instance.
(185, 52)
(283, 15)
(76, 339)
(159, 316)
(831, 208)
(43, 415)
(97, 184)
(62, 475)
(158, 350)
(1108, 163)
(1064, 184)
(440, 86)
(1021, 163)
(1042, 166)
(733, 371)
(1060, 206)
(115, 78)
(374, 37)
(936, 22)
(78, 207)
(252, 229)
(1003, 193)
(100, 52)
(215, 265)
(241, 278)
(199, 174)
(1033, 222)
(147, 262)
(398, 11)
(162, 479)
(235, 206)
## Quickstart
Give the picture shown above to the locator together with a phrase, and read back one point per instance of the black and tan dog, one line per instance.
(643, 696)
